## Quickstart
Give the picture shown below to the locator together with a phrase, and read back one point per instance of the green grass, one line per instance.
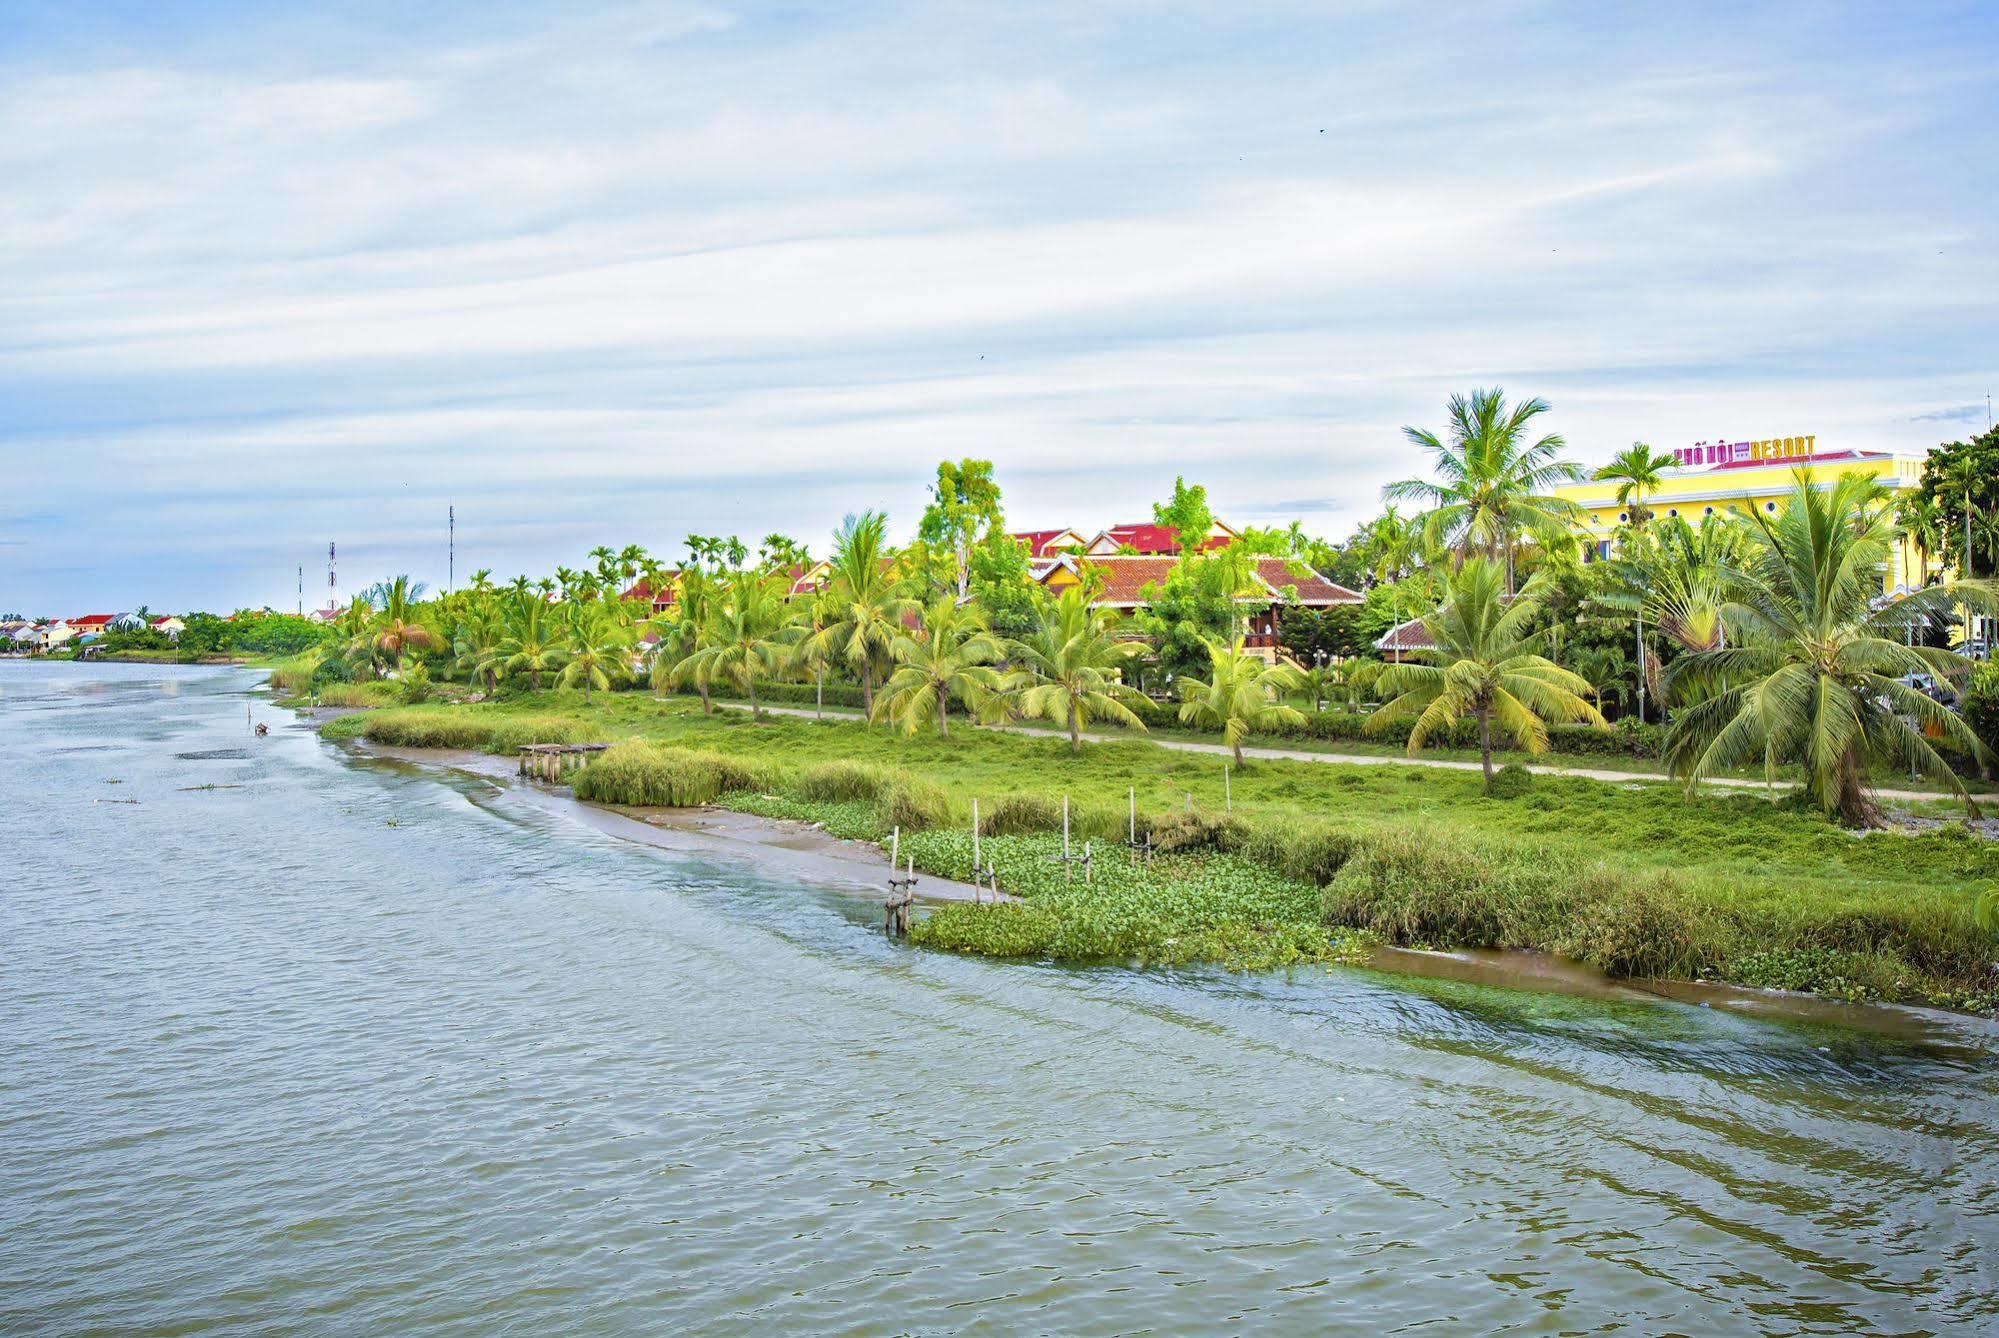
(1635, 879)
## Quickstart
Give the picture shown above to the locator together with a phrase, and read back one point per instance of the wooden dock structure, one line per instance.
(550, 760)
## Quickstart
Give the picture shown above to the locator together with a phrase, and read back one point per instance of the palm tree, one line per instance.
(475, 643)
(1637, 470)
(1490, 483)
(595, 645)
(950, 655)
(1922, 519)
(868, 605)
(1242, 693)
(813, 652)
(1817, 673)
(745, 635)
(529, 647)
(1068, 669)
(1483, 662)
(684, 632)
(1397, 543)
(398, 625)
(1678, 576)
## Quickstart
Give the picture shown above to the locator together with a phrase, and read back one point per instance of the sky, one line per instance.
(273, 276)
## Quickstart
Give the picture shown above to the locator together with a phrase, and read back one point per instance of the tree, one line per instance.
(596, 646)
(868, 602)
(1003, 584)
(398, 626)
(1491, 483)
(529, 646)
(1483, 662)
(964, 503)
(782, 553)
(475, 642)
(683, 632)
(1816, 674)
(1240, 694)
(1637, 470)
(950, 655)
(1962, 479)
(1187, 515)
(1068, 672)
(1396, 544)
(746, 638)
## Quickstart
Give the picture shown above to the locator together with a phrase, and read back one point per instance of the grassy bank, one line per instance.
(1632, 879)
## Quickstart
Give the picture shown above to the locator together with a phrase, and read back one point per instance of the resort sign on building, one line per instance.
(1742, 452)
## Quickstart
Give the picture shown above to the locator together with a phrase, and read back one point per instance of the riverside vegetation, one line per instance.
(1314, 860)
(1762, 642)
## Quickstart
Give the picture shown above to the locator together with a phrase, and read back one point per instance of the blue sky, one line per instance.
(271, 276)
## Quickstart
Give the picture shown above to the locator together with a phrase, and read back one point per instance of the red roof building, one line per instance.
(92, 622)
(1148, 540)
(1048, 543)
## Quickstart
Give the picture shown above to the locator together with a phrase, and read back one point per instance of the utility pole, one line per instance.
(301, 592)
(332, 582)
(451, 550)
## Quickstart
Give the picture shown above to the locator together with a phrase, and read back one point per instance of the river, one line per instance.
(342, 1045)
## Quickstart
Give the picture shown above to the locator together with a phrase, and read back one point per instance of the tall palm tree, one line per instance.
(746, 636)
(1922, 519)
(812, 652)
(1491, 482)
(1241, 693)
(950, 655)
(1396, 543)
(1816, 675)
(868, 602)
(1068, 669)
(1483, 662)
(596, 646)
(530, 646)
(1637, 470)
(685, 630)
(475, 642)
(398, 625)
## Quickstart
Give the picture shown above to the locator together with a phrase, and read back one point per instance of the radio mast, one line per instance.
(332, 583)
(451, 560)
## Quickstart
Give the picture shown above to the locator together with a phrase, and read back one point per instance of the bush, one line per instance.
(1981, 703)
(644, 774)
(362, 695)
(447, 727)
(1019, 814)
(913, 804)
(1510, 782)
(836, 781)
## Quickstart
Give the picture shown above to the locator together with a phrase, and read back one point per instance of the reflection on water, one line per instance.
(358, 1046)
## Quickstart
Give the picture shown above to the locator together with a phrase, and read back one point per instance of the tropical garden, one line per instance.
(1742, 648)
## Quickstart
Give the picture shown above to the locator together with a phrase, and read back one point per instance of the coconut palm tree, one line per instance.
(868, 603)
(1068, 669)
(398, 625)
(1491, 483)
(596, 646)
(1396, 543)
(746, 635)
(1241, 693)
(1815, 674)
(812, 652)
(950, 655)
(684, 631)
(1637, 470)
(1483, 662)
(475, 642)
(530, 646)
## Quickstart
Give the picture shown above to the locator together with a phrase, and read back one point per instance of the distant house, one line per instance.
(128, 622)
(93, 622)
(1147, 540)
(1042, 544)
(1120, 582)
(169, 627)
(50, 635)
(329, 614)
(1398, 641)
(661, 594)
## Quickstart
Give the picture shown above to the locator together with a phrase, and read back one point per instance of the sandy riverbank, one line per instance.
(770, 843)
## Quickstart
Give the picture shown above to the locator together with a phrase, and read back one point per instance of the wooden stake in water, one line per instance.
(894, 851)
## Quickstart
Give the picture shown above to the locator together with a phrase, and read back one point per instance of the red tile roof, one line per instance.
(1149, 539)
(93, 620)
(659, 599)
(1036, 541)
(1314, 590)
(1411, 635)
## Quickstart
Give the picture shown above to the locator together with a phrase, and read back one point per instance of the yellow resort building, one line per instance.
(1713, 478)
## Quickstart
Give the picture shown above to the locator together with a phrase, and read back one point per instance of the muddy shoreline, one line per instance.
(862, 869)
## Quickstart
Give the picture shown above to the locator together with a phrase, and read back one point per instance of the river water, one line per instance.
(346, 1045)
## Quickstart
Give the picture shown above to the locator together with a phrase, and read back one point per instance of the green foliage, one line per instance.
(250, 632)
(1510, 782)
(463, 727)
(1961, 486)
(836, 781)
(1187, 514)
(642, 774)
(964, 504)
(1981, 703)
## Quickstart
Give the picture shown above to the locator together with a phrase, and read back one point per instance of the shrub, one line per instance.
(645, 774)
(1510, 782)
(362, 695)
(1643, 924)
(447, 727)
(1981, 703)
(836, 781)
(913, 804)
(1019, 814)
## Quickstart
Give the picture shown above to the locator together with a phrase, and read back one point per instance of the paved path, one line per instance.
(1353, 759)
